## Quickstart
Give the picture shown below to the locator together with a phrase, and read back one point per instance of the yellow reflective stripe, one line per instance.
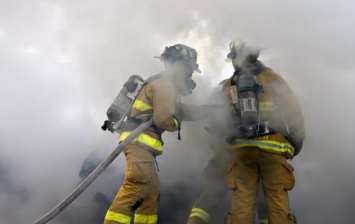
(177, 123)
(268, 103)
(144, 139)
(200, 213)
(146, 219)
(267, 144)
(263, 221)
(117, 217)
(266, 106)
(140, 105)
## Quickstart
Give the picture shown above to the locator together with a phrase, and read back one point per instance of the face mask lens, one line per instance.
(191, 84)
(232, 55)
(189, 70)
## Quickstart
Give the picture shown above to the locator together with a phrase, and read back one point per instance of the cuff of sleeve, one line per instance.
(177, 123)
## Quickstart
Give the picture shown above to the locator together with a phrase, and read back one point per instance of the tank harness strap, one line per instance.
(132, 123)
(179, 129)
(259, 68)
(264, 129)
(139, 113)
(156, 162)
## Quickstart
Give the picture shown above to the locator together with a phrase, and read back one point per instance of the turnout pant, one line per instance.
(139, 193)
(213, 193)
(215, 190)
(248, 165)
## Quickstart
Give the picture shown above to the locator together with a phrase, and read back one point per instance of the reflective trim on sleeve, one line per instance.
(263, 221)
(144, 139)
(117, 217)
(284, 147)
(146, 219)
(177, 123)
(266, 106)
(200, 213)
(141, 106)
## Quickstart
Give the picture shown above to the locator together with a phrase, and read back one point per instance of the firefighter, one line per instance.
(159, 99)
(215, 187)
(270, 131)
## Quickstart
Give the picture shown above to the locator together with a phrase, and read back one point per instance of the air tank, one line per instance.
(248, 91)
(124, 99)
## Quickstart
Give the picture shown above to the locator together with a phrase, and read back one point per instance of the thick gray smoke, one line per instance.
(63, 62)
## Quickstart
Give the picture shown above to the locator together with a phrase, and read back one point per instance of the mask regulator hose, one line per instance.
(99, 169)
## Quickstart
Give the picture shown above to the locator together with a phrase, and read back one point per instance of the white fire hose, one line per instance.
(99, 169)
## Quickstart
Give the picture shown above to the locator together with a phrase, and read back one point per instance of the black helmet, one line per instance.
(183, 53)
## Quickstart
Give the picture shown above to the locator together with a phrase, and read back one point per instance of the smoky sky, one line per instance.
(63, 62)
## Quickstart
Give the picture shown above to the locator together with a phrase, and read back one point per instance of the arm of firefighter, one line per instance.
(164, 99)
(291, 108)
(200, 112)
(194, 112)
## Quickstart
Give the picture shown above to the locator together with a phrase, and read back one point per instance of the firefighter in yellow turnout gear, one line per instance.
(215, 187)
(158, 99)
(260, 150)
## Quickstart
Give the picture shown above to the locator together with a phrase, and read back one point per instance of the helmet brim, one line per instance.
(196, 69)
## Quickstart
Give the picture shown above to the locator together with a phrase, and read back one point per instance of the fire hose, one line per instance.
(99, 169)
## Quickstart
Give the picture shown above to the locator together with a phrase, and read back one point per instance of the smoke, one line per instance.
(63, 62)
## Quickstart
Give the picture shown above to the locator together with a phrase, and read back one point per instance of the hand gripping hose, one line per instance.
(70, 198)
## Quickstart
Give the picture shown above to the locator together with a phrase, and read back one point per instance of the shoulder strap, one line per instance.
(151, 79)
(222, 83)
(146, 82)
(259, 68)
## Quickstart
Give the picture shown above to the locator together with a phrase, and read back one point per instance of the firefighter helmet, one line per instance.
(183, 53)
(240, 47)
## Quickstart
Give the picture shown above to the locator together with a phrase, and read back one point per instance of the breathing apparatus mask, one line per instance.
(188, 58)
(189, 85)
